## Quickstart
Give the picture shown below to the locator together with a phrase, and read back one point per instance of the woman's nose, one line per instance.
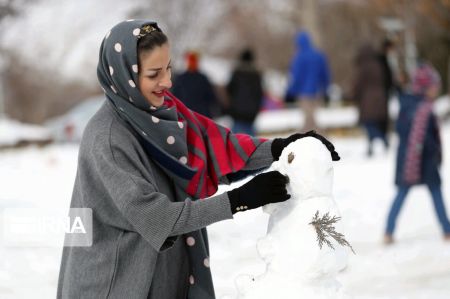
(166, 81)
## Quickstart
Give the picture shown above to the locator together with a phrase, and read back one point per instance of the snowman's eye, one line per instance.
(291, 157)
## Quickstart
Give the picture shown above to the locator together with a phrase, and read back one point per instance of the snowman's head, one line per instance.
(308, 164)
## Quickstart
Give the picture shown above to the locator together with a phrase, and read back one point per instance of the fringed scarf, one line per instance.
(192, 149)
(413, 162)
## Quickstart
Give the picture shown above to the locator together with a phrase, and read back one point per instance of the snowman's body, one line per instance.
(296, 266)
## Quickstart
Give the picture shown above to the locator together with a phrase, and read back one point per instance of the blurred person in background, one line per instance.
(194, 89)
(145, 161)
(245, 93)
(419, 153)
(369, 93)
(309, 78)
(387, 47)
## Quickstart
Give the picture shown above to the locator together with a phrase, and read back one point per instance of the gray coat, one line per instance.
(138, 249)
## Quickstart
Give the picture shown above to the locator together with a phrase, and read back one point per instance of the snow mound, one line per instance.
(13, 132)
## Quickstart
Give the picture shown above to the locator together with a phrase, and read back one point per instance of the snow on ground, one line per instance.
(416, 267)
(13, 132)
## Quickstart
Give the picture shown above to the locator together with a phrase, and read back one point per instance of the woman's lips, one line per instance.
(159, 93)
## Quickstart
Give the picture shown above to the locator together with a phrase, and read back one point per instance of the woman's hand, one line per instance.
(269, 187)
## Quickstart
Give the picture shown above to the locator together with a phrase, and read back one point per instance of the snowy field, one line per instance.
(417, 266)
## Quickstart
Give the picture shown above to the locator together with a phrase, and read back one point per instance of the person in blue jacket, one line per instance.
(309, 78)
(419, 154)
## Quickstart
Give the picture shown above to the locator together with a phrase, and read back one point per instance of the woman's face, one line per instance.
(155, 74)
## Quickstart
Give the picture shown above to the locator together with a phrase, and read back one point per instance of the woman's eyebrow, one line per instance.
(158, 69)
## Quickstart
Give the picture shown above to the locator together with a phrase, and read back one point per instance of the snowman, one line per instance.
(304, 248)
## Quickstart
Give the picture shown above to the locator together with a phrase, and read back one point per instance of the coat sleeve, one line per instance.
(210, 94)
(151, 213)
(261, 157)
(433, 139)
(259, 160)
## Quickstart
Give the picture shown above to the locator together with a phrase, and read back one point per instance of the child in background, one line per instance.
(419, 154)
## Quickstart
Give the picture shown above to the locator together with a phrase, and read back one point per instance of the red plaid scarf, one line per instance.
(212, 149)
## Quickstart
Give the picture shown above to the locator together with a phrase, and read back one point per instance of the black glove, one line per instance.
(278, 144)
(265, 188)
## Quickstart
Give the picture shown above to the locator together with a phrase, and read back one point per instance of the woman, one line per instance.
(144, 159)
(419, 154)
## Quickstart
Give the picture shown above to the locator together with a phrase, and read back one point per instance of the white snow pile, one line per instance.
(298, 265)
(12, 132)
(271, 121)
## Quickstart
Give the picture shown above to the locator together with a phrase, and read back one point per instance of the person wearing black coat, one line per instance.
(194, 89)
(245, 94)
(370, 96)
